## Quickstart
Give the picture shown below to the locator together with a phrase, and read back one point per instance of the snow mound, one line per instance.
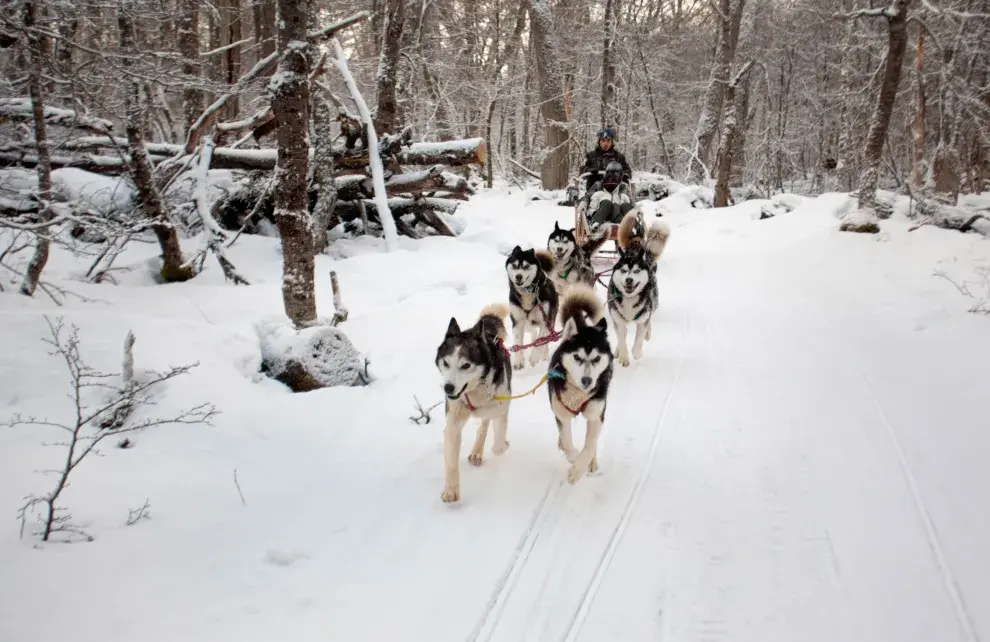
(321, 356)
(860, 220)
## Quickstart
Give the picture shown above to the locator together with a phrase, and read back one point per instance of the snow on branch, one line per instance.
(215, 236)
(331, 30)
(374, 157)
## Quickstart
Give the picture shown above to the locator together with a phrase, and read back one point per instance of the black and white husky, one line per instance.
(477, 381)
(572, 262)
(632, 290)
(533, 300)
(580, 373)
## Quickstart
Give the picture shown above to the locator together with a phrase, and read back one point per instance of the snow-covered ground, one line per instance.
(801, 455)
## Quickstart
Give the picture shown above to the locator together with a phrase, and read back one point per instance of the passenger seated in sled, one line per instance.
(596, 160)
(608, 200)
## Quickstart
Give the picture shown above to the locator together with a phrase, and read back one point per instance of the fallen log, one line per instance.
(20, 110)
(356, 186)
(450, 153)
(348, 210)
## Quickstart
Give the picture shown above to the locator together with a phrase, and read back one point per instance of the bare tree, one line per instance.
(92, 423)
(554, 169)
(387, 114)
(37, 53)
(290, 104)
(896, 15)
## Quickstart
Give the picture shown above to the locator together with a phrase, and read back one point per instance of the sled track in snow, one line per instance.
(545, 511)
(949, 581)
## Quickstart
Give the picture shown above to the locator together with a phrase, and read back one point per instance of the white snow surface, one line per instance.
(801, 454)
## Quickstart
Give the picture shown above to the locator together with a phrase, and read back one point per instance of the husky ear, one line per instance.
(570, 328)
(602, 325)
(453, 329)
(516, 250)
(556, 226)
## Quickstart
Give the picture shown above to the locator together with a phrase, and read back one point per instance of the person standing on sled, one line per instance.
(598, 159)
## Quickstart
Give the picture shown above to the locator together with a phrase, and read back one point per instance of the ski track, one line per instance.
(560, 513)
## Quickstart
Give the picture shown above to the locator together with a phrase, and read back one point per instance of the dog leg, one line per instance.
(451, 453)
(477, 454)
(537, 354)
(501, 442)
(588, 454)
(641, 331)
(565, 440)
(518, 335)
(649, 329)
(621, 328)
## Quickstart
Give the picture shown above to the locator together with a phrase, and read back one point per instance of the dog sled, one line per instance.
(603, 259)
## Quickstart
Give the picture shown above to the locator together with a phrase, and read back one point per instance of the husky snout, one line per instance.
(586, 381)
(448, 388)
(519, 279)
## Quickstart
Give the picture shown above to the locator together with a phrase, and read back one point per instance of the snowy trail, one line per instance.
(800, 456)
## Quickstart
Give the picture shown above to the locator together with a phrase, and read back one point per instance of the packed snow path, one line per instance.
(801, 455)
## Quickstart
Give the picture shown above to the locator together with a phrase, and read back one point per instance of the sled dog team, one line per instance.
(476, 365)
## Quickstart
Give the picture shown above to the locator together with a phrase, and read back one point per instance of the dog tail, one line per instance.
(545, 259)
(492, 319)
(582, 305)
(653, 238)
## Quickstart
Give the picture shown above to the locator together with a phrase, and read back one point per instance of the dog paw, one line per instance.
(638, 353)
(450, 494)
(475, 459)
(574, 474)
(499, 449)
(593, 466)
(623, 360)
(518, 366)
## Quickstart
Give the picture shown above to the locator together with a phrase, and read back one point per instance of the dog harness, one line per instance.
(574, 412)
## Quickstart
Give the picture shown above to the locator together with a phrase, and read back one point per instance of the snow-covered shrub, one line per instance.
(320, 356)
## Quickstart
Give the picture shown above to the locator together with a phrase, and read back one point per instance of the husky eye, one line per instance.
(578, 360)
(596, 360)
(465, 366)
(445, 364)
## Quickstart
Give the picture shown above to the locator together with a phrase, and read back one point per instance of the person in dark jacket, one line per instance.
(598, 159)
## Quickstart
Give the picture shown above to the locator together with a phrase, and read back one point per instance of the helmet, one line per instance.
(606, 134)
(613, 175)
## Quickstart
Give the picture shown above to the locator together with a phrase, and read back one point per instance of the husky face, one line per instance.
(631, 273)
(561, 243)
(522, 267)
(586, 354)
(461, 360)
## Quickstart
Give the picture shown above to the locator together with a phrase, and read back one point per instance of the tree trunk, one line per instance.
(727, 147)
(729, 21)
(264, 28)
(609, 112)
(231, 25)
(37, 53)
(737, 173)
(326, 199)
(918, 126)
(188, 43)
(896, 15)
(387, 114)
(152, 203)
(555, 167)
(290, 104)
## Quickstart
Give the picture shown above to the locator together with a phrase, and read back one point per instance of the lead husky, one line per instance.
(632, 290)
(476, 373)
(572, 263)
(533, 300)
(583, 368)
